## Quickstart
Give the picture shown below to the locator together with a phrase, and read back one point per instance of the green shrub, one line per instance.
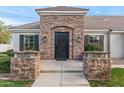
(3, 55)
(93, 47)
(9, 53)
(4, 63)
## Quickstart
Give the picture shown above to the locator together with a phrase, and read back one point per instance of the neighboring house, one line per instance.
(63, 31)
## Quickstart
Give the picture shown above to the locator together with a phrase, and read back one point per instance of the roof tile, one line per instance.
(90, 22)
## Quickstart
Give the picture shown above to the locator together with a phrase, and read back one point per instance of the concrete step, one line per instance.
(55, 71)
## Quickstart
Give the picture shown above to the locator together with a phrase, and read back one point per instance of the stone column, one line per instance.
(97, 68)
(25, 66)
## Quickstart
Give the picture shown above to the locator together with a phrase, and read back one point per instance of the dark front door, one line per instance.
(61, 45)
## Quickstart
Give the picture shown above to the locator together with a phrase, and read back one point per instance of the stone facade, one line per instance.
(97, 68)
(62, 23)
(25, 66)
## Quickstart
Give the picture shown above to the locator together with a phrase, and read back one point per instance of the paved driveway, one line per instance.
(61, 73)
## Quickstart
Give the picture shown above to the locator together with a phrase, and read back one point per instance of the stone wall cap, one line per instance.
(97, 52)
(27, 52)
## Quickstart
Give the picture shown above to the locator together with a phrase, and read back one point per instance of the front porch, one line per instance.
(61, 73)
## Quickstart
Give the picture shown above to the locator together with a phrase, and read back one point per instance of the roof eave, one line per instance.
(62, 8)
(61, 12)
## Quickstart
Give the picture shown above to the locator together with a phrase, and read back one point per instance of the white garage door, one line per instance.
(117, 46)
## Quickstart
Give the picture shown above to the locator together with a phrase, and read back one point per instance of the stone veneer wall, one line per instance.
(25, 66)
(97, 68)
(62, 23)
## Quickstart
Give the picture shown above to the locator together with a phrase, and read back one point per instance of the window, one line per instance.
(94, 39)
(29, 42)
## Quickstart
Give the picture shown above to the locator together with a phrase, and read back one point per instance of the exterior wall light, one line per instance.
(78, 39)
(44, 39)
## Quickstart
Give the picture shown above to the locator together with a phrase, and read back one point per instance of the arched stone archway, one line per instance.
(62, 29)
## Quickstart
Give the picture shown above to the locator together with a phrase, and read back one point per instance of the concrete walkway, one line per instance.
(117, 66)
(6, 76)
(61, 74)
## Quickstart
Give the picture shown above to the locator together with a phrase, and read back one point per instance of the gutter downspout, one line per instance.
(109, 41)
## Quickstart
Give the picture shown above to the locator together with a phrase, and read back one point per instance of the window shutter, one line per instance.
(102, 41)
(86, 39)
(37, 42)
(21, 42)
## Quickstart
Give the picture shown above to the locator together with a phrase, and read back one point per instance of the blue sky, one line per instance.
(17, 15)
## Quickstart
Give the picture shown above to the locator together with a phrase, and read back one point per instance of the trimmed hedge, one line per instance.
(9, 53)
(93, 47)
(4, 63)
